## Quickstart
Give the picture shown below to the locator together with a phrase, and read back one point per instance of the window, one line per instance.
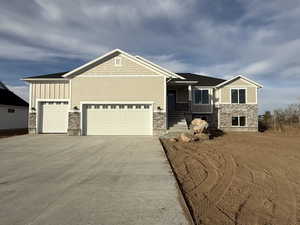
(11, 110)
(118, 61)
(238, 121)
(238, 96)
(201, 97)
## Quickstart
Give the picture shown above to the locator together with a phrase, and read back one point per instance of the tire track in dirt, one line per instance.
(285, 209)
(212, 188)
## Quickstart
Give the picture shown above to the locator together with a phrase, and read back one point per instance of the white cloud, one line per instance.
(261, 42)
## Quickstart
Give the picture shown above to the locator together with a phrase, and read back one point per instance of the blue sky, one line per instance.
(222, 38)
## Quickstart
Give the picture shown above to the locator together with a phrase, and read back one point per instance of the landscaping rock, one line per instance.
(184, 138)
(198, 126)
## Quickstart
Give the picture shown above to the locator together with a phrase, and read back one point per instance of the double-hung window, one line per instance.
(238, 95)
(200, 97)
(238, 121)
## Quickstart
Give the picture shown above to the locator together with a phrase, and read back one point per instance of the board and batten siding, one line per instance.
(224, 93)
(48, 90)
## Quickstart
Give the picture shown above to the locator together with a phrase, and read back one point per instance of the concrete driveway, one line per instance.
(94, 180)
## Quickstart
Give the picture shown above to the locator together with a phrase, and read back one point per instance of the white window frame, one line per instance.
(201, 89)
(120, 61)
(238, 88)
(246, 121)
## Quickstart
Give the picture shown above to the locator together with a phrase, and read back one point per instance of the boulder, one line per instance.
(173, 140)
(198, 125)
(184, 138)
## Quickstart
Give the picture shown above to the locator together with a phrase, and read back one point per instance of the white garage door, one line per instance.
(53, 117)
(117, 119)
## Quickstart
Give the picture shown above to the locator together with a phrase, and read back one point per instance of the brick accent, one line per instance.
(74, 124)
(32, 129)
(227, 111)
(159, 122)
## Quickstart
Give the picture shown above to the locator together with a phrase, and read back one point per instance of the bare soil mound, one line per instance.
(246, 179)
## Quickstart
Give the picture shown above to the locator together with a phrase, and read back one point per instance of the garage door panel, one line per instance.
(54, 117)
(117, 120)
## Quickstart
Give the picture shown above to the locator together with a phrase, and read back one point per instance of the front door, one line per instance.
(171, 100)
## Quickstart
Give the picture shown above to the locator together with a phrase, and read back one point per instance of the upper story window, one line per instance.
(238, 95)
(118, 61)
(201, 97)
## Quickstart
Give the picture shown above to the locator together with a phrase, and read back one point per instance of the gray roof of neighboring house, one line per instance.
(9, 98)
(201, 79)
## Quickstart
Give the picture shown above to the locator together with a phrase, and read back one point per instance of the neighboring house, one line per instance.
(13, 110)
(121, 94)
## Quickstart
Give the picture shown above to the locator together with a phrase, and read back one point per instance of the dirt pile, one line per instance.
(246, 179)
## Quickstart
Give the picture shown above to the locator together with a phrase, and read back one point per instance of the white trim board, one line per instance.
(138, 60)
(239, 76)
(118, 76)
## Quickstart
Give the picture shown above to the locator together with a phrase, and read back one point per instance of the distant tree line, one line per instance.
(281, 119)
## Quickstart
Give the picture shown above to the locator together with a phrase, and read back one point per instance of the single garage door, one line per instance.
(117, 119)
(53, 117)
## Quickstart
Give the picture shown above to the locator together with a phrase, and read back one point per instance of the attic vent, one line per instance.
(118, 61)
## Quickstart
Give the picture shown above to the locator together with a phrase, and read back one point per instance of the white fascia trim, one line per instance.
(159, 67)
(185, 82)
(118, 76)
(239, 76)
(137, 60)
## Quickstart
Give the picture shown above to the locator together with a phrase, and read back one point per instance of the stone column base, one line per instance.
(32, 129)
(74, 124)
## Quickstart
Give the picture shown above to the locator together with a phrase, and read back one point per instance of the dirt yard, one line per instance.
(240, 178)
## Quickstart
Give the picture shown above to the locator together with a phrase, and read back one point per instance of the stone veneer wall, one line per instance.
(227, 111)
(159, 122)
(74, 124)
(32, 129)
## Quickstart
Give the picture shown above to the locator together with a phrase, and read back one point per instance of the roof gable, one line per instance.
(131, 65)
(237, 78)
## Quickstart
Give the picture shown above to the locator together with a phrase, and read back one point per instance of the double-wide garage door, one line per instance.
(117, 119)
(53, 117)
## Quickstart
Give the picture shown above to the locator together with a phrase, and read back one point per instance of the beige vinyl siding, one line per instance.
(251, 91)
(48, 90)
(107, 67)
(124, 89)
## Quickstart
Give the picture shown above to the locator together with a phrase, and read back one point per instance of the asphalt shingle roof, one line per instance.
(47, 76)
(202, 80)
(9, 98)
